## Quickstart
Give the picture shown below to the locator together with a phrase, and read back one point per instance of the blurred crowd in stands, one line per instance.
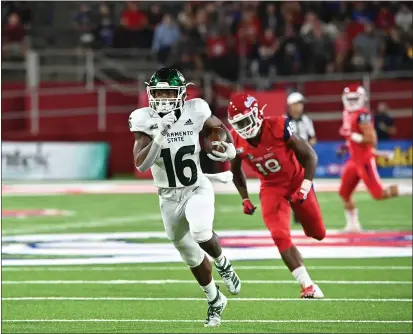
(15, 22)
(280, 38)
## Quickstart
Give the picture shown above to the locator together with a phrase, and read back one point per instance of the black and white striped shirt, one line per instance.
(303, 127)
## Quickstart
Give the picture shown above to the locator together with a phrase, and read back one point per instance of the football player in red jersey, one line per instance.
(358, 130)
(286, 166)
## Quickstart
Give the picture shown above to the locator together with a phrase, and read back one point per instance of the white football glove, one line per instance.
(229, 154)
(165, 123)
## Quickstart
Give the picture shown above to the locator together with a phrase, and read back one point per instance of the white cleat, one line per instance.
(230, 277)
(353, 228)
(312, 292)
(215, 312)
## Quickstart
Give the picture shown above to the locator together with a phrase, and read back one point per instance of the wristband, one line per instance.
(306, 185)
(159, 138)
(356, 137)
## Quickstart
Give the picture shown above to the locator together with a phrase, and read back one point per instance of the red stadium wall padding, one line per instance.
(84, 127)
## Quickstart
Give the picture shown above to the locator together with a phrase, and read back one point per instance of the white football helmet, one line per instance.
(354, 97)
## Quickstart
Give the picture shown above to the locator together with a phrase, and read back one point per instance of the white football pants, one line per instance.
(188, 215)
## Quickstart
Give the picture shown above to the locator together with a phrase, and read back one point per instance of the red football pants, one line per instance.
(354, 172)
(276, 214)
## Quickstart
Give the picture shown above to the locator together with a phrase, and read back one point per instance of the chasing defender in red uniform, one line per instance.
(286, 166)
(361, 139)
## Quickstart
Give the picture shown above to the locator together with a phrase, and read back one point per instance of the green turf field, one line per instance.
(362, 295)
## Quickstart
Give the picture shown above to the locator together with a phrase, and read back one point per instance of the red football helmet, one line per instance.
(245, 115)
(354, 97)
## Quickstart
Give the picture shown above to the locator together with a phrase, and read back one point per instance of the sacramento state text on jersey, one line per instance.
(174, 137)
(178, 164)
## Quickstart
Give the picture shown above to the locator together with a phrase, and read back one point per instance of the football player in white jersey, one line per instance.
(167, 142)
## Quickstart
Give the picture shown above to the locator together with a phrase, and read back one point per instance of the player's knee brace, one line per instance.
(202, 235)
(190, 251)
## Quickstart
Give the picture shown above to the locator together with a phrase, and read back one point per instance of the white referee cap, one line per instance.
(295, 98)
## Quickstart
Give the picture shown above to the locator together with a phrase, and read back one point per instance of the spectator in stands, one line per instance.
(293, 9)
(134, 31)
(383, 122)
(132, 18)
(186, 14)
(190, 47)
(14, 38)
(247, 32)
(311, 20)
(266, 53)
(85, 23)
(384, 19)
(220, 55)
(342, 48)
(361, 13)
(106, 27)
(270, 18)
(370, 46)
(22, 8)
(332, 29)
(394, 50)
(154, 16)
(201, 23)
(233, 14)
(320, 48)
(354, 28)
(404, 19)
(341, 12)
(166, 36)
(290, 55)
(357, 61)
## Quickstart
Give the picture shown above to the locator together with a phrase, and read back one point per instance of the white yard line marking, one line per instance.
(382, 300)
(171, 281)
(182, 268)
(226, 321)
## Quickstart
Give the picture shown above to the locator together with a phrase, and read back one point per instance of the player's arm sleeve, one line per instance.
(145, 152)
(288, 129)
(366, 126)
(204, 110)
(364, 118)
(139, 123)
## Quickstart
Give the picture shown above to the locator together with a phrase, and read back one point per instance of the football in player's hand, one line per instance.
(212, 142)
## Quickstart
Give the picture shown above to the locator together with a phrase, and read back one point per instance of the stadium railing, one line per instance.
(84, 68)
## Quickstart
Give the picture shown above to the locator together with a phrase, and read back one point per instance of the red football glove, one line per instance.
(301, 195)
(249, 208)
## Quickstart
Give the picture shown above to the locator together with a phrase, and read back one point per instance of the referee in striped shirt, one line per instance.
(303, 125)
